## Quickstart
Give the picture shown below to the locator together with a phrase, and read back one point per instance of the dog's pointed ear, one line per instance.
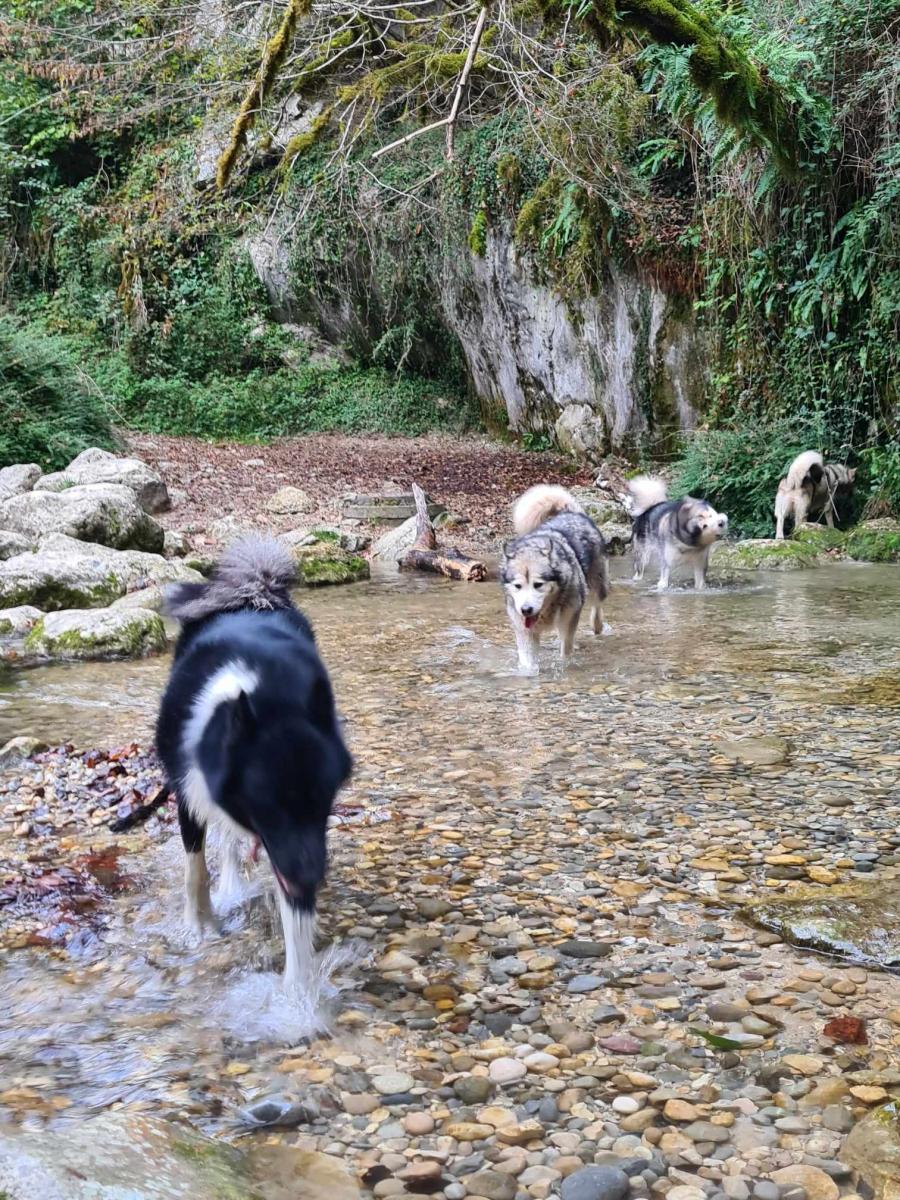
(506, 549)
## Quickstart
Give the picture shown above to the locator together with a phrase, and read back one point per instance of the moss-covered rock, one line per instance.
(65, 573)
(765, 554)
(103, 633)
(820, 538)
(107, 513)
(324, 562)
(873, 1150)
(870, 541)
(874, 541)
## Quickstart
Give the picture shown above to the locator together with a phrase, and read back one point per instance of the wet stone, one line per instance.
(595, 1183)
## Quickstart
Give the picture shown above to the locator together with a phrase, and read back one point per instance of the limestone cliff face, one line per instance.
(610, 372)
(615, 369)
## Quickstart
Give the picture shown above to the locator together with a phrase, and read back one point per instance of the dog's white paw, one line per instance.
(529, 668)
(606, 630)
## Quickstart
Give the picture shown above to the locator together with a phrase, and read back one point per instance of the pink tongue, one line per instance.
(529, 621)
(285, 886)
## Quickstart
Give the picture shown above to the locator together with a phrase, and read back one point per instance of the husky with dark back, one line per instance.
(678, 532)
(550, 569)
(811, 489)
(248, 735)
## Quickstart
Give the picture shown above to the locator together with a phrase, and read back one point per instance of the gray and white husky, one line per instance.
(557, 560)
(679, 532)
(810, 489)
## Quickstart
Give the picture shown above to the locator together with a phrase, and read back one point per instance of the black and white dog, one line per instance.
(249, 737)
(677, 531)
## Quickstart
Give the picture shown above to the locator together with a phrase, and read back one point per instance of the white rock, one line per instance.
(507, 1070)
(99, 466)
(100, 512)
(395, 543)
(18, 478)
(66, 573)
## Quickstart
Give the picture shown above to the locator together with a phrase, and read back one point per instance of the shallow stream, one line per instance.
(737, 710)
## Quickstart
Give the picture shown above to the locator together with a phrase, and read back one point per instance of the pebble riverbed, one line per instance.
(541, 884)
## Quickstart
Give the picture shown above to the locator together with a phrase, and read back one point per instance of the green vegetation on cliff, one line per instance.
(743, 159)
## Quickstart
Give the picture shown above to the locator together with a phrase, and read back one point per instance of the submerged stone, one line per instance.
(124, 1154)
(759, 752)
(858, 922)
(873, 1150)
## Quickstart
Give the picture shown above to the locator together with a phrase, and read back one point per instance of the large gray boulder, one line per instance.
(65, 573)
(130, 1156)
(98, 633)
(107, 513)
(99, 466)
(19, 478)
(12, 544)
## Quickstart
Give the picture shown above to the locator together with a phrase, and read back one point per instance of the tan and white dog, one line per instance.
(810, 489)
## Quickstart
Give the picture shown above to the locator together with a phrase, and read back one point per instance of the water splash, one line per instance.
(261, 1006)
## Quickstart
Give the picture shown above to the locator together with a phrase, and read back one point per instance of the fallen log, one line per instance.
(424, 554)
(452, 563)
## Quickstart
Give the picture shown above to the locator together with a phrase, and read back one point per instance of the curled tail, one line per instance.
(255, 573)
(646, 491)
(541, 503)
(807, 467)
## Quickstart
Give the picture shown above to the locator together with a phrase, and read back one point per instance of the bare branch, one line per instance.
(464, 79)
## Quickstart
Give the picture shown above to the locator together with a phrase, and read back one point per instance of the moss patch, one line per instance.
(873, 545)
(820, 538)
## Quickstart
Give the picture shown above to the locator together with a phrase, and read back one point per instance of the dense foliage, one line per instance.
(745, 157)
(50, 410)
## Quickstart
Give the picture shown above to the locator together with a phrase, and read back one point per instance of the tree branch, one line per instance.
(450, 120)
(464, 79)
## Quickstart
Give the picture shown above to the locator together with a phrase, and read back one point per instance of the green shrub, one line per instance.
(881, 469)
(308, 399)
(738, 470)
(50, 410)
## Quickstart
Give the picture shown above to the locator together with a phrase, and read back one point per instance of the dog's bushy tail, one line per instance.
(806, 466)
(255, 573)
(539, 504)
(646, 491)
